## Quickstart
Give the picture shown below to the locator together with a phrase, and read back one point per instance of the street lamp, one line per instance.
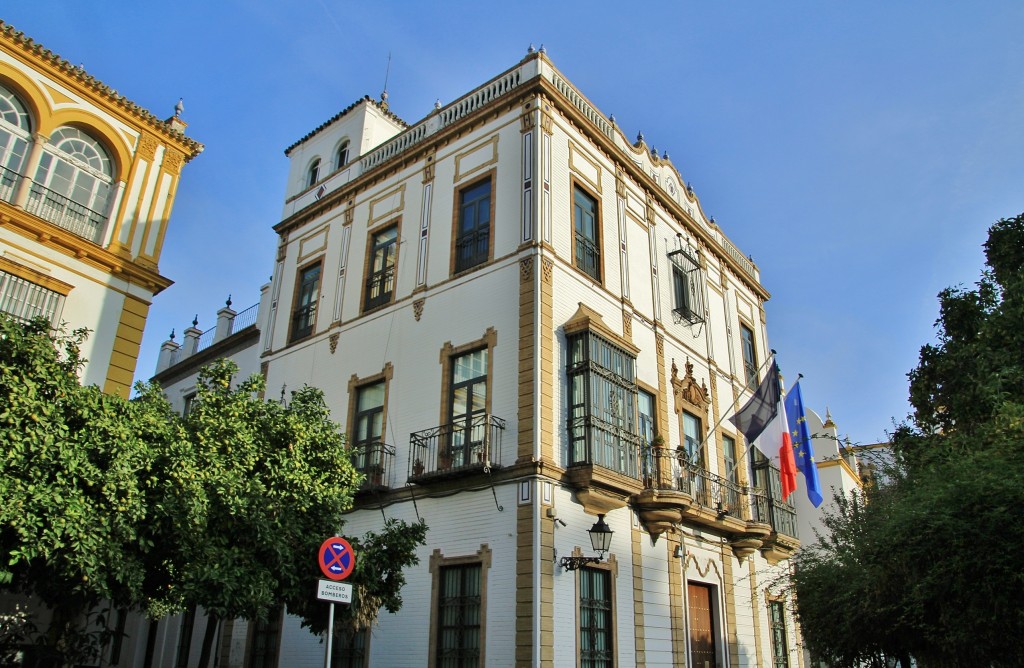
(600, 540)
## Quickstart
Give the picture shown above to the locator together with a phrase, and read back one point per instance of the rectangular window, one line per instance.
(190, 400)
(731, 472)
(307, 296)
(380, 279)
(264, 639)
(603, 427)
(459, 615)
(588, 242)
(645, 411)
(367, 448)
(24, 300)
(117, 641)
(349, 649)
(749, 356)
(730, 496)
(596, 649)
(468, 410)
(692, 438)
(188, 620)
(777, 624)
(473, 235)
(702, 624)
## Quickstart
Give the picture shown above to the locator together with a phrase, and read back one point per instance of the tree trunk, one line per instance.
(208, 637)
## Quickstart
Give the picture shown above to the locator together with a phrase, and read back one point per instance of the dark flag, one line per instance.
(761, 408)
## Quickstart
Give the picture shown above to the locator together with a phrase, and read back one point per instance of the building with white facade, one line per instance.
(528, 328)
(87, 184)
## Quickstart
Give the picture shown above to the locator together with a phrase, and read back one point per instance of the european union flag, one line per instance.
(801, 437)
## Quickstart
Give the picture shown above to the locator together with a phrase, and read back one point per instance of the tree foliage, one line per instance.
(927, 566)
(125, 502)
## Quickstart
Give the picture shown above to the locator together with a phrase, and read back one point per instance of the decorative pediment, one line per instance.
(687, 392)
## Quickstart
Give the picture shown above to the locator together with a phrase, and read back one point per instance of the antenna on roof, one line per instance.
(384, 93)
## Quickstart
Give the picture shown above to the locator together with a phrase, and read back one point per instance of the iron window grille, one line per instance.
(24, 300)
(777, 622)
(687, 288)
(459, 616)
(595, 619)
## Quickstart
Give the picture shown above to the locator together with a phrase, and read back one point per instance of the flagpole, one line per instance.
(732, 408)
(750, 445)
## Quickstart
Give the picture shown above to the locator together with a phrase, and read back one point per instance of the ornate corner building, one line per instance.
(87, 183)
(531, 333)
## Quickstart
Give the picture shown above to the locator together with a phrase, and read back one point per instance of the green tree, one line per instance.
(125, 503)
(927, 566)
(75, 479)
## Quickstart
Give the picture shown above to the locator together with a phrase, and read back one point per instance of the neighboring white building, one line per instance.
(838, 473)
(526, 323)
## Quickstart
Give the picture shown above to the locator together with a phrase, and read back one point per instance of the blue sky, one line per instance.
(858, 151)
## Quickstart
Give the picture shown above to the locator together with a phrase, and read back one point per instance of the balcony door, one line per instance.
(369, 425)
(468, 410)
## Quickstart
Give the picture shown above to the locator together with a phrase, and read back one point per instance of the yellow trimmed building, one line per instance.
(87, 184)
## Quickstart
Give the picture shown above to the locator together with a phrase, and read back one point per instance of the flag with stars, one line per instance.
(801, 438)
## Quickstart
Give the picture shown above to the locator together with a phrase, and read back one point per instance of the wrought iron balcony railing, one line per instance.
(376, 461)
(776, 512)
(588, 256)
(663, 468)
(466, 445)
(8, 184)
(67, 213)
(710, 490)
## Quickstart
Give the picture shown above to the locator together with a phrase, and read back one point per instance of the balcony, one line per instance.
(677, 491)
(66, 213)
(458, 448)
(376, 461)
(781, 516)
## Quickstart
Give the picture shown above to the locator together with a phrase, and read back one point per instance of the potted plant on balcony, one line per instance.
(417, 467)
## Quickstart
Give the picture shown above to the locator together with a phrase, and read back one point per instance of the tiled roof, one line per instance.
(20, 39)
(365, 98)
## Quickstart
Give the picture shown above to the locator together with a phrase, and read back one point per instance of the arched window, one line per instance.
(73, 183)
(314, 173)
(15, 137)
(341, 158)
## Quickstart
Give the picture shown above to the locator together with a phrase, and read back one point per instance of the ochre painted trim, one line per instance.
(33, 276)
(53, 237)
(639, 621)
(125, 352)
(842, 463)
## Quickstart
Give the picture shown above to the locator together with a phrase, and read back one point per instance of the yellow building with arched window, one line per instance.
(87, 183)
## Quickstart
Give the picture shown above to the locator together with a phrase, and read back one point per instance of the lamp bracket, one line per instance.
(575, 563)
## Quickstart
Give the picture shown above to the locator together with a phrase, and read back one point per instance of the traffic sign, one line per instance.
(336, 558)
(335, 592)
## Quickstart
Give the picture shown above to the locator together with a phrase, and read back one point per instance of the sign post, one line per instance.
(337, 560)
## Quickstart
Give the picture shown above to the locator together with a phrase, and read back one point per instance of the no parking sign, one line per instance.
(336, 558)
